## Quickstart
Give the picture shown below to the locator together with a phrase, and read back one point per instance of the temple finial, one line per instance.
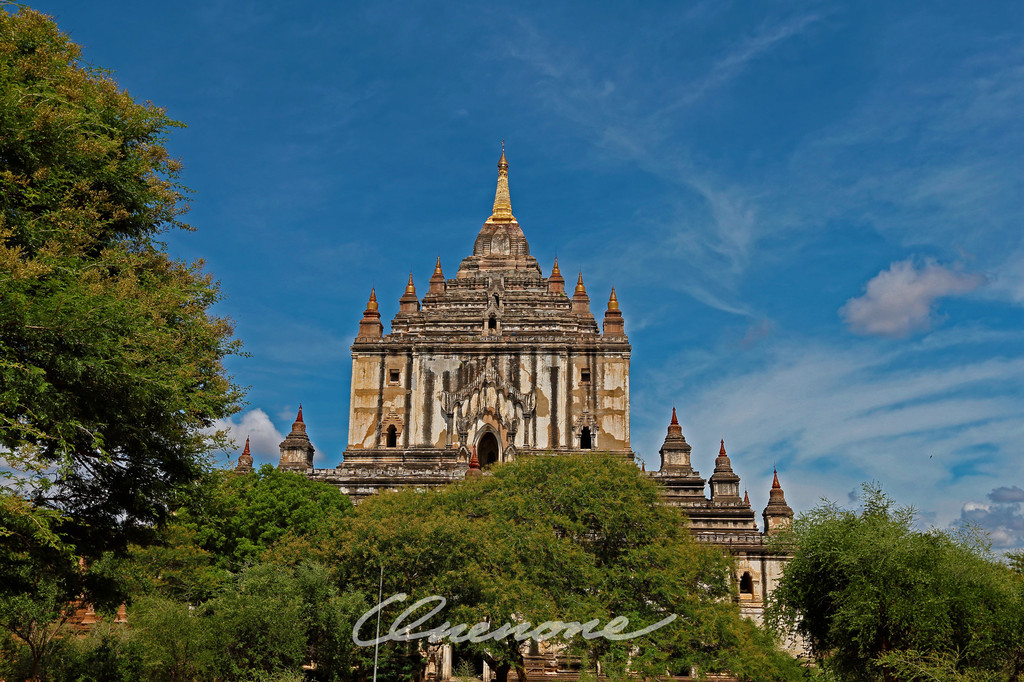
(502, 211)
(580, 289)
(245, 451)
(410, 288)
(775, 483)
(298, 417)
(372, 304)
(721, 452)
(674, 422)
(613, 302)
(437, 268)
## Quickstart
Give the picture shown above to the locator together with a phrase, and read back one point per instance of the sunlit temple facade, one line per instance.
(500, 361)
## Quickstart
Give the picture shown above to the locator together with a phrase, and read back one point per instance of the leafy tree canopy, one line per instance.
(110, 363)
(878, 599)
(560, 538)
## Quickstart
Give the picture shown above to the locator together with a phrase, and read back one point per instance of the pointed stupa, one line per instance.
(437, 281)
(296, 450)
(777, 514)
(675, 452)
(474, 466)
(245, 459)
(502, 212)
(725, 484)
(370, 326)
(580, 300)
(746, 498)
(613, 325)
(556, 283)
(409, 303)
(500, 245)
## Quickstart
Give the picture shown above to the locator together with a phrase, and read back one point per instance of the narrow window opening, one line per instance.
(746, 584)
(497, 300)
(394, 376)
(585, 376)
(392, 436)
(585, 442)
(492, 323)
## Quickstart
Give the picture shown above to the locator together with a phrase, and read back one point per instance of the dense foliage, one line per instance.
(561, 538)
(878, 599)
(110, 363)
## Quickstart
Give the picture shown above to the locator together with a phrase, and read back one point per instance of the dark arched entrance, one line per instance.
(585, 443)
(487, 449)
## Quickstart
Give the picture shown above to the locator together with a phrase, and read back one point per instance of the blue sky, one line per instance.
(810, 212)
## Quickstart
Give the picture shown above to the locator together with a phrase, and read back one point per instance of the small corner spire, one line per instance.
(245, 450)
(775, 482)
(746, 498)
(580, 289)
(675, 421)
(613, 301)
(437, 268)
(721, 451)
(298, 417)
(372, 304)
(410, 288)
(555, 270)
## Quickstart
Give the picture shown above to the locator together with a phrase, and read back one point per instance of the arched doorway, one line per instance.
(487, 449)
(585, 442)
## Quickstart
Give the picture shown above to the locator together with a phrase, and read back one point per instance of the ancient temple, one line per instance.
(500, 361)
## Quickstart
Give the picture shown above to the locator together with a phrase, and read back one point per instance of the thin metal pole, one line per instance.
(376, 644)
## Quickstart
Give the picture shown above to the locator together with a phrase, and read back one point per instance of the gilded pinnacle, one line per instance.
(372, 305)
(437, 268)
(409, 288)
(502, 212)
(555, 270)
(580, 289)
(613, 302)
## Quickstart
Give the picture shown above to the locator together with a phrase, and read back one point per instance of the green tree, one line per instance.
(877, 599)
(237, 519)
(561, 538)
(110, 363)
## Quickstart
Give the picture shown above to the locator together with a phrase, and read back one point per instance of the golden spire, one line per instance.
(580, 289)
(372, 305)
(555, 270)
(502, 212)
(409, 288)
(613, 303)
(437, 268)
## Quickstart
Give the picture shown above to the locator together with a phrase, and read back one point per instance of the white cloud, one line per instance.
(898, 301)
(264, 437)
(1002, 518)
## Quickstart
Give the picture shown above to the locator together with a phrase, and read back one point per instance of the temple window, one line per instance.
(492, 323)
(585, 440)
(392, 440)
(394, 376)
(585, 375)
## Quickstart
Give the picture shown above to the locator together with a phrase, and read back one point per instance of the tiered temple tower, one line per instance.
(499, 361)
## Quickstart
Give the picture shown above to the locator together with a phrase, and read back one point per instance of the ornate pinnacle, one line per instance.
(298, 417)
(580, 289)
(437, 268)
(675, 421)
(502, 211)
(721, 451)
(245, 450)
(555, 270)
(775, 483)
(372, 305)
(410, 288)
(613, 302)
